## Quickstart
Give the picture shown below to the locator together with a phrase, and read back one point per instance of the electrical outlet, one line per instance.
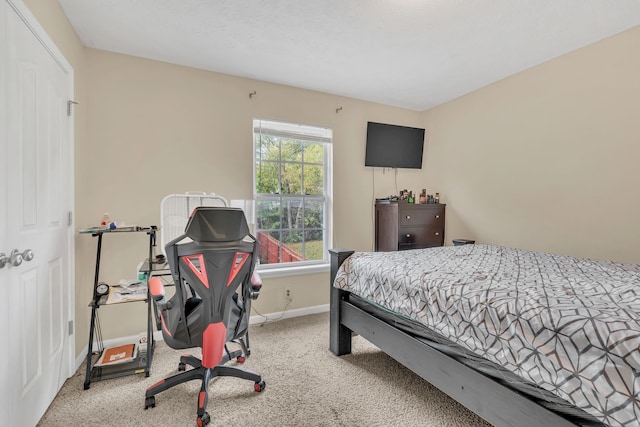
(287, 295)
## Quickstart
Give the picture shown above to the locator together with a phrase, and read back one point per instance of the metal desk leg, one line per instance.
(94, 313)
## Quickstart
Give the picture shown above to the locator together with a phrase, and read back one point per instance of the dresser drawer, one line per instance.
(421, 216)
(408, 246)
(421, 236)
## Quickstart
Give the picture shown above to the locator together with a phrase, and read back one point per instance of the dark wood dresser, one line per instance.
(400, 226)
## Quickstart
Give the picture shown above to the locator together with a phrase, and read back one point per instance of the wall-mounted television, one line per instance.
(392, 146)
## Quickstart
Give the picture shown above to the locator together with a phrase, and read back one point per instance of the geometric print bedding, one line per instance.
(569, 325)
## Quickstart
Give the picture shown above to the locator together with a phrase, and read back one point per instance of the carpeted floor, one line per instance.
(306, 386)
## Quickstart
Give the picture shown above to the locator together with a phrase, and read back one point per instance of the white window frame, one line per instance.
(304, 133)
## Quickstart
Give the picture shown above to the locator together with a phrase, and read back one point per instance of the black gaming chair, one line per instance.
(212, 265)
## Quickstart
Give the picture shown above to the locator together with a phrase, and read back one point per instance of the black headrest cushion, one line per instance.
(217, 224)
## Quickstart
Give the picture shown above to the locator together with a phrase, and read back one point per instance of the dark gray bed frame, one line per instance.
(491, 400)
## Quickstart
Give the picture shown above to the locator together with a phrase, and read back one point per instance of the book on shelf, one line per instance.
(118, 354)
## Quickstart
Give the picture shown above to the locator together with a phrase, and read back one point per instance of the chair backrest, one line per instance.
(213, 257)
(217, 225)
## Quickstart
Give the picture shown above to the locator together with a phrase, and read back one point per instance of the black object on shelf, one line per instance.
(460, 242)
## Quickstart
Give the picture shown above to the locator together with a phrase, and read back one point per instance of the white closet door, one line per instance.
(37, 193)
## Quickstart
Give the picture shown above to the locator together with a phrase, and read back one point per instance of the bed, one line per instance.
(519, 337)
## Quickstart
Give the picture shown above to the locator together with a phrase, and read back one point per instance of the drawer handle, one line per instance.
(437, 234)
(437, 216)
(408, 216)
(408, 235)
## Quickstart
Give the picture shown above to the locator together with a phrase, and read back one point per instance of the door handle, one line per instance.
(16, 257)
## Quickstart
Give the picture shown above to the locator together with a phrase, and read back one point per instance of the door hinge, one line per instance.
(70, 327)
(70, 107)
(70, 219)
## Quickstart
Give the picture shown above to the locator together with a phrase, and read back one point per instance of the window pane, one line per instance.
(314, 153)
(292, 214)
(291, 150)
(267, 161)
(313, 245)
(269, 247)
(268, 215)
(267, 148)
(267, 178)
(291, 174)
(292, 246)
(313, 179)
(314, 213)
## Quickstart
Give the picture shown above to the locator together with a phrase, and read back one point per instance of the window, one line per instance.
(292, 192)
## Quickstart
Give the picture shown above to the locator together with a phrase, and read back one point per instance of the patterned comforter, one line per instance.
(570, 325)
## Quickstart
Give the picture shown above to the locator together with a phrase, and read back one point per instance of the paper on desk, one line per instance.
(126, 283)
(118, 294)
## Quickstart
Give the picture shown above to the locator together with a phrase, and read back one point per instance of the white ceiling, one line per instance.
(408, 53)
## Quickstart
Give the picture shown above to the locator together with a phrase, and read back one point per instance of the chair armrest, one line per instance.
(256, 285)
(156, 289)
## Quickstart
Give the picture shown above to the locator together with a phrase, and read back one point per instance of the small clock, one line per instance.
(102, 289)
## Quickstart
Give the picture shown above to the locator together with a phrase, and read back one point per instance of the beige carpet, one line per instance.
(306, 386)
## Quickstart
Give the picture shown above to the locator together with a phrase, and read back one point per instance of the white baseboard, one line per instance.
(287, 314)
(157, 335)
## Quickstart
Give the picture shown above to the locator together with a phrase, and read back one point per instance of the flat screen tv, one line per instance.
(392, 146)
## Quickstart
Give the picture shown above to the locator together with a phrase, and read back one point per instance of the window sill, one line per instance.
(267, 273)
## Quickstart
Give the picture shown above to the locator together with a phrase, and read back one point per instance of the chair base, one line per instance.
(199, 372)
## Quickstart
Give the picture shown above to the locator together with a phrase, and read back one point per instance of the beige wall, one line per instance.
(157, 129)
(547, 159)
(542, 160)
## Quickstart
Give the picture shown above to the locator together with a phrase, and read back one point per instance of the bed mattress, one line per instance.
(569, 325)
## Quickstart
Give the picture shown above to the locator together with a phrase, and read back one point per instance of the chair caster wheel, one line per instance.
(181, 366)
(150, 402)
(240, 359)
(204, 420)
(259, 386)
